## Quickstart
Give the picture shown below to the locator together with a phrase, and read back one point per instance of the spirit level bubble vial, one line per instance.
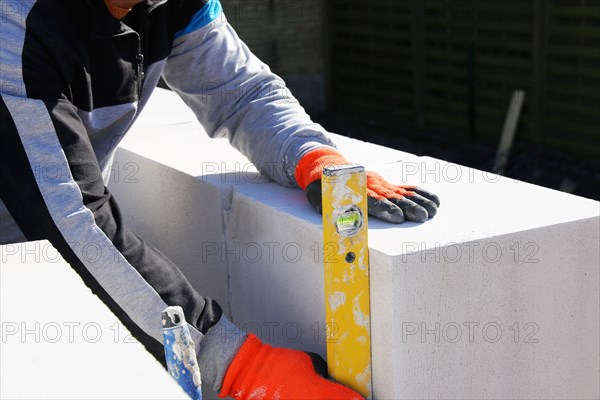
(347, 290)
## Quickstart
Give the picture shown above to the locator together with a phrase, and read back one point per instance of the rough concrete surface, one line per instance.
(496, 297)
(59, 341)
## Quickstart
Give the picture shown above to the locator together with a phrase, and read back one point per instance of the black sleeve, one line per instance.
(52, 186)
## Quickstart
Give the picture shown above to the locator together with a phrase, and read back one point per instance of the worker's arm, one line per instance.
(53, 188)
(235, 95)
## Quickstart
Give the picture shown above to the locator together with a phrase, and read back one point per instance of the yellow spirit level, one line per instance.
(347, 290)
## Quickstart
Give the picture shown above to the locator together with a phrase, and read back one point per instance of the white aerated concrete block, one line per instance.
(59, 341)
(496, 297)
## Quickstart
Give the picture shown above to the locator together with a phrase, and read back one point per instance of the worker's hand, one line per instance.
(259, 371)
(390, 203)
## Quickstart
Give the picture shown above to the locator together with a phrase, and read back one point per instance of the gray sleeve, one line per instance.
(235, 95)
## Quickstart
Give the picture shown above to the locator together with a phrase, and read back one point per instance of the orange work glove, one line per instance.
(259, 371)
(391, 203)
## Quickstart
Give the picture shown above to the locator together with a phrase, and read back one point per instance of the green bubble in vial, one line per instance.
(349, 221)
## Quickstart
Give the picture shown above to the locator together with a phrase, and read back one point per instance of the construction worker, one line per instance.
(74, 76)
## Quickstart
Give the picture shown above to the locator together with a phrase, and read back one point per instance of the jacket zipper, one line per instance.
(140, 57)
(140, 71)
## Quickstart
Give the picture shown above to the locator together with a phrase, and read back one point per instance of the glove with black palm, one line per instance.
(262, 372)
(388, 202)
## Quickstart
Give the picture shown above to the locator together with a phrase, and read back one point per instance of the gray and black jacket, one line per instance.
(73, 79)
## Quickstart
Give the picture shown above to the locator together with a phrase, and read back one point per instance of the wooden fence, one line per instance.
(450, 66)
